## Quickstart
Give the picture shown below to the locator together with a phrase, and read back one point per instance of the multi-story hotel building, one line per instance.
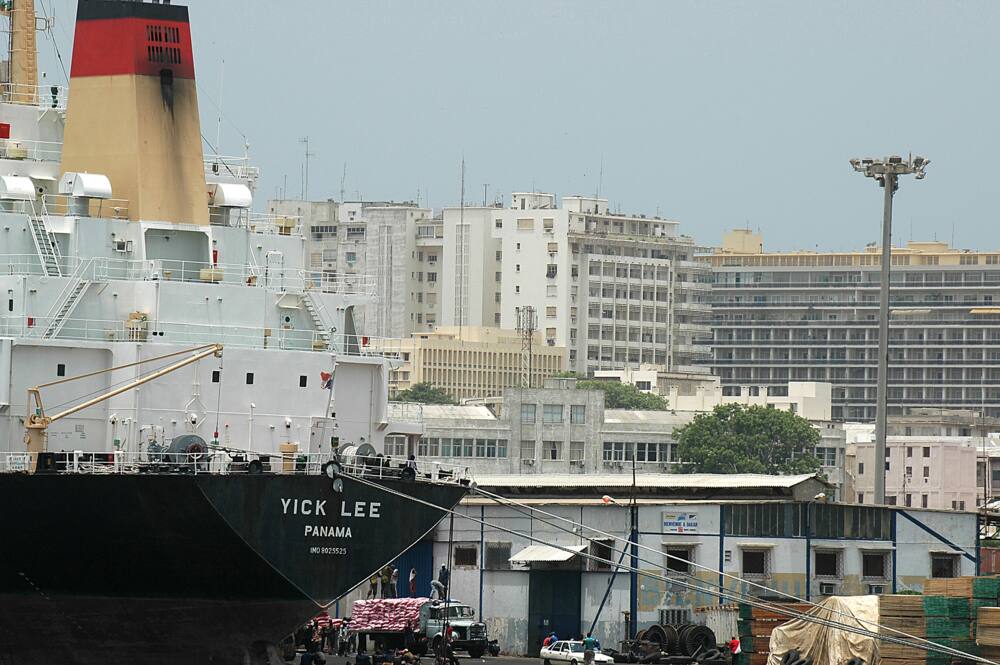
(810, 316)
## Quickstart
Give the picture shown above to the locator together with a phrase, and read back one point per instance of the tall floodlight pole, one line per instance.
(886, 173)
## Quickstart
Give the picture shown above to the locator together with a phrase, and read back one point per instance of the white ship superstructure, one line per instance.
(87, 284)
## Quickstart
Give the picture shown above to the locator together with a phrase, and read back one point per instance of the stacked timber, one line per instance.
(988, 637)
(905, 614)
(762, 624)
(949, 624)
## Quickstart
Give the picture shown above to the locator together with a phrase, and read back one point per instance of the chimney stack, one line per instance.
(133, 108)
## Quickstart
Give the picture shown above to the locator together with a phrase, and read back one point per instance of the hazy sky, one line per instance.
(717, 114)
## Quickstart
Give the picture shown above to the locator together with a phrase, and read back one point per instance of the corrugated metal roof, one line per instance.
(538, 553)
(474, 412)
(646, 480)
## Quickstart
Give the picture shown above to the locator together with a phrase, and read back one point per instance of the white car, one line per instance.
(570, 651)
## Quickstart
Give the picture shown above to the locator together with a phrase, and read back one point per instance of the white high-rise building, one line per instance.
(615, 290)
(381, 243)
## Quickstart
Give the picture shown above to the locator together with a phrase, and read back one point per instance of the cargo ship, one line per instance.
(195, 518)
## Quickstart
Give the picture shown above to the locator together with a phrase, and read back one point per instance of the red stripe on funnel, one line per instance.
(138, 46)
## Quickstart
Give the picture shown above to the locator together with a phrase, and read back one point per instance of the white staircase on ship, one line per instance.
(322, 329)
(46, 246)
(67, 300)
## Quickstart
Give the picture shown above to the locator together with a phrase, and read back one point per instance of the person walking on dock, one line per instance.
(413, 582)
(373, 586)
(385, 581)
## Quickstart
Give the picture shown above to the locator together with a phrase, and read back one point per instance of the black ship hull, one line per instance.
(187, 569)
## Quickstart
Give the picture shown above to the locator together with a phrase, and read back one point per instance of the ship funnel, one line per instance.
(133, 108)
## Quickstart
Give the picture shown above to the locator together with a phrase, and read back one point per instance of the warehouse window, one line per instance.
(466, 556)
(678, 559)
(828, 563)
(602, 550)
(755, 563)
(944, 565)
(497, 556)
(873, 565)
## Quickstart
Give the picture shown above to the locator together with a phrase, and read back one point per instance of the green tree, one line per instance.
(624, 396)
(737, 439)
(424, 393)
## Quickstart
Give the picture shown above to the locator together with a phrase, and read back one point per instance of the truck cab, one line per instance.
(467, 634)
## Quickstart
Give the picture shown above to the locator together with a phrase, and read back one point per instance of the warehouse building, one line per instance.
(772, 530)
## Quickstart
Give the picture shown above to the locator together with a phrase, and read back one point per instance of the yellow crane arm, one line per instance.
(37, 422)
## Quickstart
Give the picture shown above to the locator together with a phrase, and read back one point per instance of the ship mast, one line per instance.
(21, 84)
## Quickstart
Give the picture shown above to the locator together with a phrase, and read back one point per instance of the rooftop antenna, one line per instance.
(343, 179)
(218, 122)
(305, 173)
(486, 188)
(600, 179)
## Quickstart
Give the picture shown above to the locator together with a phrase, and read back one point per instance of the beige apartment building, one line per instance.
(472, 362)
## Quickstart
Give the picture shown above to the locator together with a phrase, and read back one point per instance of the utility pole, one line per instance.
(305, 177)
(886, 173)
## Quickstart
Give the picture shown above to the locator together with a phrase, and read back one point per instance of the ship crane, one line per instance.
(37, 422)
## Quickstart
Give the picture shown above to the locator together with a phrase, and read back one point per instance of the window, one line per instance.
(497, 277)
(944, 565)
(552, 413)
(576, 449)
(552, 450)
(528, 450)
(603, 551)
(497, 556)
(499, 255)
(432, 277)
(498, 223)
(644, 386)
(827, 563)
(577, 414)
(249, 378)
(826, 456)
(526, 224)
(351, 257)
(395, 445)
(550, 312)
(432, 258)
(678, 559)
(861, 471)
(550, 270)
(61, 369)
(927, 451)
(923, 500)
(303, 381)
(216, 375)
(909, 451)
(528, 414)
(873, 565)
(466, 556)
(755, 563)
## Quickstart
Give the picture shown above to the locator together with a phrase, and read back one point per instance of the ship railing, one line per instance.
(265, 276)
(228, 461)
(139, 328)
(60, 205)
(229, 167)
(327, 282)
(35, 151)
(42, 95)
(391, 348)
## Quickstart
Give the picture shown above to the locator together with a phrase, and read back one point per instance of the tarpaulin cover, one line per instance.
(386, 615)
(828, 645)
